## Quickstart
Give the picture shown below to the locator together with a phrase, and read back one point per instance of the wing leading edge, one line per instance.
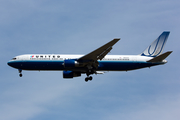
(101, 52)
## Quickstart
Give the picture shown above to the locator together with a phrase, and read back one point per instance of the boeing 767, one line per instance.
(95, 62)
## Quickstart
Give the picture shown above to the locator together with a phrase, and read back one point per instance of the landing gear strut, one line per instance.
(20, 72)
(89, 77)
(90, 70)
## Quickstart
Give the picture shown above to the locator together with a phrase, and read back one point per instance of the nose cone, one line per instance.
(15, 64)
(12, 64)
(9, 63)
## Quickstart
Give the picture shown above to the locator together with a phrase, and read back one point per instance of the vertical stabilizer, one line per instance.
(156, 46)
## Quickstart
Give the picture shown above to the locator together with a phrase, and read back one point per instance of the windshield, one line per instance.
(14, 59)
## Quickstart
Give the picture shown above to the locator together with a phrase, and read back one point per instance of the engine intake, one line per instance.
(72, 64)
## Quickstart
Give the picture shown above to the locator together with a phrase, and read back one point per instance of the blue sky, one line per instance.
(78, 27)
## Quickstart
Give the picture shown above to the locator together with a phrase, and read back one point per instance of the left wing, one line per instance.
(99, 53)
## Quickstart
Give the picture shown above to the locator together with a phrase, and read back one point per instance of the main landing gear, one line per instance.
(88, 78)
(20, 72)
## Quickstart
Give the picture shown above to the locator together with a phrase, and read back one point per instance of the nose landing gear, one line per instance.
(20, 72)
(20, 75)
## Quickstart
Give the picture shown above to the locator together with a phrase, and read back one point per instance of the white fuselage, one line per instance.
(55, 62)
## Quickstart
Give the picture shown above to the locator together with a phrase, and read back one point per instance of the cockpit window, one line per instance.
(14, 59)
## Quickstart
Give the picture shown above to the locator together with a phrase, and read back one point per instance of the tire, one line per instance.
(20, 75)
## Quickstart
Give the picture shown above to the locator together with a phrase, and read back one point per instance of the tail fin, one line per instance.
(156, 46)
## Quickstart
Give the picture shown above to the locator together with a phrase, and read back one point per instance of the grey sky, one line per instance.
(78, 27)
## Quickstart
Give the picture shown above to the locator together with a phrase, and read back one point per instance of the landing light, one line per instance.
(165, 61)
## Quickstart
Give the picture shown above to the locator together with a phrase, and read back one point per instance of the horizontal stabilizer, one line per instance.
(160, 57)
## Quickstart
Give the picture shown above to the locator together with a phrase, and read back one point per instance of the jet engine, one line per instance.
(71, 74)
(71, 64)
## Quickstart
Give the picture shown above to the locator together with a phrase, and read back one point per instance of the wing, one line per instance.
(99, 53)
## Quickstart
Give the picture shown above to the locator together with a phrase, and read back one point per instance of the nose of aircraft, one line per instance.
(9, 63)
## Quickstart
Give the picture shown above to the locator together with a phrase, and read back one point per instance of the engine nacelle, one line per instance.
(71, 64)
(71, 74)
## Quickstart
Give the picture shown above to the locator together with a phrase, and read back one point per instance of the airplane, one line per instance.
(95, 62)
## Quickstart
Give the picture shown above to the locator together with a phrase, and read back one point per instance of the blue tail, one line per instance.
(156, 47)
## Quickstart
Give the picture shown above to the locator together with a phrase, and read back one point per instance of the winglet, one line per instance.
(161, 57)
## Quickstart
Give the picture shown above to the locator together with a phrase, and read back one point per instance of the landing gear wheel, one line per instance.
(90, 78)
(86, 79)
(20, 75)
(20, 72)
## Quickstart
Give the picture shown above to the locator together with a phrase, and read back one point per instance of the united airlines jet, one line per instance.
(95, 62)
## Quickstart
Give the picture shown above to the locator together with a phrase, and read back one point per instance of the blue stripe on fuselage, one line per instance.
(123, 65)
(58, 65)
